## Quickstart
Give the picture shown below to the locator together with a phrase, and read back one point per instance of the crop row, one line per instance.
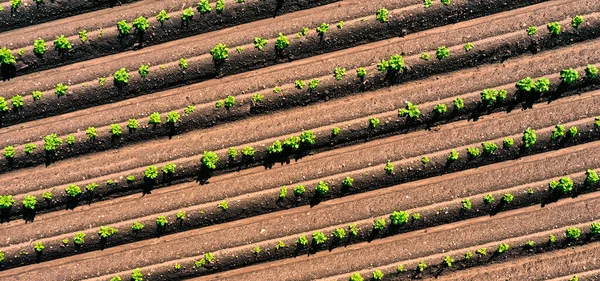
(196, 68)
(573, 233)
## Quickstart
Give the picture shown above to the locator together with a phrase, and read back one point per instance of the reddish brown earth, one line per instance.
(259, 212)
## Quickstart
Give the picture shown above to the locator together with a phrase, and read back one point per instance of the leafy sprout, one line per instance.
(488, 199)
(162, 17)
(121, 77)
(576, 21)
(425, 56)
(260, 43)
(529, 137)
(313, 84)
(361, 72)
(531, 30)
(569, 76)
(144, 70)
(453, 156)
(554, 28)
(573, 233)
(339, 73)
(187, 15)
(220, 6)
(91, 133)
(62, 44)
(374, 122)
(106, 231)
(299, 190)
(442, 52)
(123, 27)
(60, 89)
(173, 117)
(51, 142)
(282, 42)
(399, 217)
(219, 52)
(300, 84)
(141, 24)
(322, 29)
(559, 131)
(29, 148)
(503, 247)
(73, 190)
(591, 71)
(591, 177)
(169, 169)
(39, 47)
(382, 15)
(526, 84)
(210, 160)
(151, 172)
(508, 142)
(411, 110)
(37, 95)
(322, 188)
(161, 221)
(389, 168)
(204, 7)
(132, 124)
(29, 202)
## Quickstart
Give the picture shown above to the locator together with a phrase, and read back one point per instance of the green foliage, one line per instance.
(440, 109)
(180, 215)
(507, 198)
(395, 64)
(187, 15)
(421, 266)
(141, 24)
(3, 105)
(9, 152)
(29, 202)
(6, 201)
(39, 246)
(489, 147)
(459, 104)
(223, 205)
(173, 117)
(529, 137)
(448, 261)
(248, 151)
(6, 57)
(151, 172)
(379, 224)
(563, 185)
(60, 89)
(162, 17)
(39, 47)
(154, 119)
(144, 70)
(529, 244)
(220, 6)
(136, 275)
(101, 81)
(469, 46)
(275, 148)
(427, 3)
(121, 76)
(132, 124)
(489, 96)
(73, 190)
(348, 182)
(232, 152)
(169, 168)
(453, 155)
(219, 104)
(299, 84)
(425, 160)
(307, 137)
(302, 240)
(313, 84)
(47, 195)
(425, 56)
(283, 192)
(554, 28)
(488, 199)
(595, 228)
(569, 76)
(576, 21)
(322, 188)
(115, 130)
(339, 73)
(468, 255)
(51, 142)
(219, 52)
(229, 101)
(319, 237)
(83, 36)
(442, 52)
(416, 216)
(361, 72)
(130, 178)
(339, 233)
(356, 277)
(591, 177)
(78, 239)
(204, 7)
(573, 233)
(322, 29)
(299, 190)
(482, 252)
(124, 27)
(282, 42)
(377, 274)
(37, 95)
(62, 44)
(29, 148)
(473, 152)
(91, 187)
(91, 133)
(526, 84)
(137, 226)
(161, 221)
(382, 15)
(591, 71)
(210, 160)
(531, 30)
(353, 229)
(503, 247)
(446, 2)
(189, 109)
(106, 231)
(399, 217)
(542, 85)
(374, 122)
(260, 43)
(183, 64)
(292, 142)
(559, 131)
(466, 204)
(256, 98)
(389, 168)
(508, 142)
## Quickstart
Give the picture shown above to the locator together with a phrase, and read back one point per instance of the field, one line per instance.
(299, 140)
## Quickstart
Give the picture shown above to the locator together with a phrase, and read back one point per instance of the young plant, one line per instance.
(223, 205)
(91, 187)
(573, 233)
(299, 84)
(210, 160)
(161, 221)
(154, 119)
(377, 274)
(591, 177)
(440, 109)
(162, 17)
(60, 89)
(554, 28)
(382, 15)
(6, 57)
(591, 71)
(507, 198)
(183, 64)
(425, 160)
(576, 21)
(73, 190)
(9, 152)
(361, 72)
(322, 188)
(299, 190)
(374, 122)
(29, 202)
(379, 224)
(322, 29)
(219, 52)
(260, 43)
(141, 24)
(204, 7)
(91, 133)
(473, 152)
(525, 85)
(121, 77)
(425, 56)
(248, 151)
(282, 42)
(132, 124)
(568, 76)
(489, 147)
(39, 246)
(489, 96)
(339, 233)
(189, 109)
(482, 252)
(51, 142)
(508, 143)
(469, 46)
(29, 148)
(169, 169)
(427, 3)
(313, 84)
(389, 168)
(340, 25)
(453, 156)
(144, 70)
(229, 101)
(106, 231)
(78, 239)
(220, 6)
(187, 15)
(563, 185)
(256, 250)
(123, 27)
(559, 132)
(39, 47)
(307, 137)
(503, 247)
(151, 173)
(339, 73)
(283, 192)
(411, 110)
(136, 275)
(488, 199)
(466, 204)
(442, 52)
(137, 226)
(180, 215)
(448, 261)
(421, 266)
(6, 201)
(356, 277)
(445, 2)
(115, 130)
(529, 137)
(37, 95)
(531, 30)
(459, 104)
(399, 217)
(173, 117)
(348, 182)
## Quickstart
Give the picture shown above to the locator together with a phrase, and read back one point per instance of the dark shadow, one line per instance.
(5, 214)
(72, 202)
(102, 243)
(148, 185)
(38, 256)
(8, 71)
(278, 7)
(203, 175)
(28, 214)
